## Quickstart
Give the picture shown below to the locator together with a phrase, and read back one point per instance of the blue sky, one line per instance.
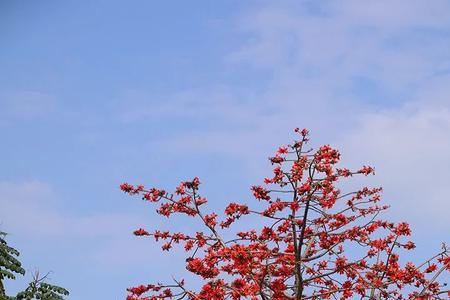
(93, 94)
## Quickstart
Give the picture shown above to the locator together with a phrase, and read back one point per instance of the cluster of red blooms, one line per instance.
(317, 242)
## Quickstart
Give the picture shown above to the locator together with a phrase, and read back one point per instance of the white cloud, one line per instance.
(24, 104)
(31, 208)
(215, 101)
(379, 40)
(314, 59)
(404, 14)
(25, 208)
(100, 244)
(32, 211)
(410, 149)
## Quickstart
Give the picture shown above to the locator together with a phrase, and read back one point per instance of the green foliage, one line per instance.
(37, 289)
(42, 290)
(8, 261)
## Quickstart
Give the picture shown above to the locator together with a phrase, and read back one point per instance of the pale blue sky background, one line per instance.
(94, 93)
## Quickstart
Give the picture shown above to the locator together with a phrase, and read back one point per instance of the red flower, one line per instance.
(141, 232)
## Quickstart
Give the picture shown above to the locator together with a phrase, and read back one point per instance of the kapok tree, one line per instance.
(316, 241)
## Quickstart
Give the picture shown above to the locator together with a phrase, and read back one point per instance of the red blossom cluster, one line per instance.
(317, 242)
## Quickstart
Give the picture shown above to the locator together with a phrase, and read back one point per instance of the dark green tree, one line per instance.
(10, 266)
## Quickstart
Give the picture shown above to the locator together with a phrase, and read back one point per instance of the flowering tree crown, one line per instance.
(317, 241)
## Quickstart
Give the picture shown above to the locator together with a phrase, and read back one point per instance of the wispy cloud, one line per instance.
(357, 75)
(91, 243)
(410, 148)
(33, 211)
(24, 104)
